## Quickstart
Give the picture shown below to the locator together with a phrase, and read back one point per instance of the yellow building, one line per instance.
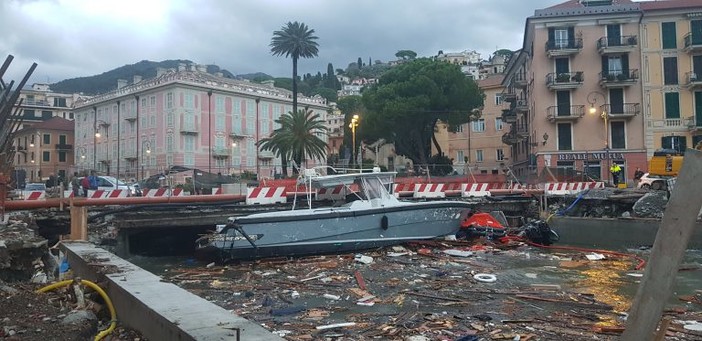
(44, 148)
(671, 54)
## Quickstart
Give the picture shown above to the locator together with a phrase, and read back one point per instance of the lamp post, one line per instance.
(209, 131)
(81, 150)
(104, 125)
(353, 125)
(591, 98)
(147, 148)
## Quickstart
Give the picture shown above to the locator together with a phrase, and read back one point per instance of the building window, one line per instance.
(189, 143)
(152, 101)
(46, 156)
(47, 139)
(672, 105)
(46, 114)
(189, 101)
(670, 70)
(618, 135)
(459, 156)
(592, 169)
(677, 143)
(479, 125)
(459, 129)
(219, 122)
(669, 35)
(564, 137)
(498, 123)
(62, 156)
(169, 100)
(478, 155)
(500, 155)
(219, 104)
(498, 99)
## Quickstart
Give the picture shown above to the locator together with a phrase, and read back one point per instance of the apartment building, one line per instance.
(575, 92)
(671, 52)
(44, 148)
(476, 147)
(39, 103)
(184, 117)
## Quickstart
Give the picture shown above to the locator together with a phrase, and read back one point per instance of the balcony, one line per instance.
(22, 149)
(238, 134)
(692, 42)
(622, 44)
(220, 153)
(64, 146)
(618, 78)
(130, 117)
(628, 110)
(511, 138)
(693, 80)
(522, 132)
(520, 80)
(521, 106)
(565, 113)
(509, 95)
(509, 116)
(189, 129)
(565, 80)
(563, 47)
(266, 155)
(129, 155)
(694, 125)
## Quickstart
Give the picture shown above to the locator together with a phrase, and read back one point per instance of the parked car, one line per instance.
(651, 182)
(108, 183)
(35, 186)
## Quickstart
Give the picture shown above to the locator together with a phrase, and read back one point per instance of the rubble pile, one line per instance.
(651, 205)
(611, 203)
(445, 290)
(20, 248)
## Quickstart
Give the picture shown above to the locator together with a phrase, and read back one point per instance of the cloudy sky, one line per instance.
(74, 38)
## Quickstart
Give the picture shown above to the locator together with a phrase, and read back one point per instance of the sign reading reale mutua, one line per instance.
(591, 156)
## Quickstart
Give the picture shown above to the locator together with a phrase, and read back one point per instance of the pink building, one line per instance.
(183, 117)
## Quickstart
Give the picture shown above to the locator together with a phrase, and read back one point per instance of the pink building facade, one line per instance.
(187, 118)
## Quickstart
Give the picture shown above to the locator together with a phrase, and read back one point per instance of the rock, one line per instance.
(651, 205)
(85, 320)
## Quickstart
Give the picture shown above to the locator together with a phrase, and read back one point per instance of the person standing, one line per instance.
(615, 170)
(638, 174)
(75, 185)
(93, 180)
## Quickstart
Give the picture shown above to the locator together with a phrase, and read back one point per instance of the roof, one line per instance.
(492, 81)
(576, 8)
(669, 4)
(578, 4)
(54, 123)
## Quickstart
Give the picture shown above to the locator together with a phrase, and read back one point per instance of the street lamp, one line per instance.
(147, 149)
(353, 125)
(209, 131)
(591, 98)
(104, 125)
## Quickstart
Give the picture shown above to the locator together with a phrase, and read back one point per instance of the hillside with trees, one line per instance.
(107, 81)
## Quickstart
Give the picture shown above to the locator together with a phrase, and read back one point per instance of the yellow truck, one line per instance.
(663, 165)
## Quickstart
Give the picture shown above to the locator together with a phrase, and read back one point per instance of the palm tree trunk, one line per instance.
(294, 83)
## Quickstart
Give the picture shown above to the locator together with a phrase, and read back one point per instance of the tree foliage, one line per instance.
(406, 54)
(408, 101)
(294, 40)
(297, 138)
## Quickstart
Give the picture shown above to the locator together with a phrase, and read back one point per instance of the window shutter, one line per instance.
(672, 105)
(625, 64)
(605, 65)
(669, 35)
(571, 36)
(551, 37)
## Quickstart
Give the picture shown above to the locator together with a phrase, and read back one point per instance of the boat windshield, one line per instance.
(374, 188)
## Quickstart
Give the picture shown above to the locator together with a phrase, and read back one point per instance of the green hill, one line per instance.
(107, 81)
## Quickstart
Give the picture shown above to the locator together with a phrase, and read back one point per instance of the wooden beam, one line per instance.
(79, 223)
(668, 250)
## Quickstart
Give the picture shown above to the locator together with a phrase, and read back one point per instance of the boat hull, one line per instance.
(335, 230)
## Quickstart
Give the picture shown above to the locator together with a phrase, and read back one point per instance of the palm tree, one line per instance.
(294, 40)
(297, 137)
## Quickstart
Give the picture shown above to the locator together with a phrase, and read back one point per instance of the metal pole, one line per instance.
(118, 156)
(258, 169)
(136, 97)
(209, 131)
(609, 163)
(95, 139)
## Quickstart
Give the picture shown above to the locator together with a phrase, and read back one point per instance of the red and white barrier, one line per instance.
(570, 188)
(475, 190)
(265, 195)
(453, 189)
(163, 192)
(429, 191)
(103, 194)
(403, 190)
(33, 195)
(335, 193)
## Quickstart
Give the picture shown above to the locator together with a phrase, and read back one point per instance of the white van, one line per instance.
(109, 183)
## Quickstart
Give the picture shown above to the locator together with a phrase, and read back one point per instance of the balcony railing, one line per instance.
(522, 132)
(64, 146)
(693, 80)
(509, 95)
(238, 134)
(509, 116)
(565, 112)
(564, 80)
(619, 77)
(616, 44)
(129, 155)
(692, 42)
(189, 129)
(521, 105)
(520, 79)
(563, 47)
(130, 117)
(694, 124)
(266, 155)
(511, 138)
(220, 152)
(627, 110)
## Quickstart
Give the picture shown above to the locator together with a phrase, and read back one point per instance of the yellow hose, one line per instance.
(113, 313)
